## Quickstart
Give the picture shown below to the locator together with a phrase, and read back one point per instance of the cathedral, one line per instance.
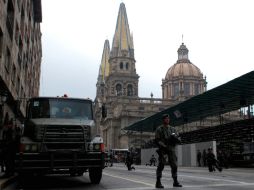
(117, 88)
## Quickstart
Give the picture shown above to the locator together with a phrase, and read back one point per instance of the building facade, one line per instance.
(20, 55)
(117, 89)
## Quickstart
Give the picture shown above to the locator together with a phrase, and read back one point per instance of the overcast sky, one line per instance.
(218, 33)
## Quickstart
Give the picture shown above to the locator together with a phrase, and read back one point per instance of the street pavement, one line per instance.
(143, 177)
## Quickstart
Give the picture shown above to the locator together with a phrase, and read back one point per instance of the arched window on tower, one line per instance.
(129, 90)
(102, 92)
(121, 65)
(118, 89)
(127, 66)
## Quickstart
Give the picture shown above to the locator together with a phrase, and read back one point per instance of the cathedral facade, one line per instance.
(117, 89)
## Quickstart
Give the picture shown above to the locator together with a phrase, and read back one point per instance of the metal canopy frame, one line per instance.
(230, 96)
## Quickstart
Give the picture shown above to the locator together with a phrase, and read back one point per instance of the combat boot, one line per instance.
(158, 184)
(176, 183)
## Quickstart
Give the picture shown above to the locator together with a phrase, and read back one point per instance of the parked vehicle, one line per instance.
(57, 139)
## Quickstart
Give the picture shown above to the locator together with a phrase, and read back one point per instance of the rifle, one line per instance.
(172, 141)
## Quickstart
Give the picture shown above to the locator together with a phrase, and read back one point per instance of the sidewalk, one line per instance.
(4, 182)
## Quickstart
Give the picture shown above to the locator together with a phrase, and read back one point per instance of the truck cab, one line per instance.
(57, 139)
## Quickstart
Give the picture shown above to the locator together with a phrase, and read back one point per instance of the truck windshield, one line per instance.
(60, 108)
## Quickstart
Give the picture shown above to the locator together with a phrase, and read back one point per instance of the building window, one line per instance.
(129, 90)
(141, 108)
(186, 89)
(10, 19)
(118, 89)
(196, 89)
(127, 66)
(17, 34)
(176, 90)
(121, 65)
(8, 60)
(20, 60)
(22, 22)
(102, 92)
(17, 86)
(13, 74)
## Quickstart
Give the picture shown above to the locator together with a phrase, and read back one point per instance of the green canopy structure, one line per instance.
(230, 96)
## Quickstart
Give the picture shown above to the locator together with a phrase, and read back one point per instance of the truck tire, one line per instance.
(95, 175)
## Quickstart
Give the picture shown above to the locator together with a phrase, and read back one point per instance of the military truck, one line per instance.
(57, 139)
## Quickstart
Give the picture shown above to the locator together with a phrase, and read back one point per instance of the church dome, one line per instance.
(183, 80)
(183, 67)
(180, 69)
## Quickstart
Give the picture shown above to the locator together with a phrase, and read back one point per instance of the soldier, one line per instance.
(212, 162)
(166, 138)
(129, 161)
(152, 160)
(199, 158)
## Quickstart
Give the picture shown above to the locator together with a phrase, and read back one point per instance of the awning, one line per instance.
(230, 96)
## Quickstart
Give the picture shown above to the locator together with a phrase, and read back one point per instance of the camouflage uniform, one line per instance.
(166, 142)
(162, 134)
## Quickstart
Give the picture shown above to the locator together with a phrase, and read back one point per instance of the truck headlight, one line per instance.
(29, 148)
(97, 147)
(34, 148)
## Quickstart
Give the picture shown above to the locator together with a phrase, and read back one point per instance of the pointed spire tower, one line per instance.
(123, 41)
(122, 79)
(104, 70)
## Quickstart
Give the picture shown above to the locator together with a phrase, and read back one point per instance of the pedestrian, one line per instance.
(199, 158)
(10, 148)
(2, 145)
(221, 159)
(204, 157)
(129, 161)
(111, 159)
(153, 160)
(166, 138)
(212, 162)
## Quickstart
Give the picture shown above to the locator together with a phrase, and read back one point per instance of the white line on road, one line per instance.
(200, 177)
(219, 185)
(214, 179)
(132, 180)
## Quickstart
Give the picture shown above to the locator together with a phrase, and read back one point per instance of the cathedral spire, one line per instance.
(104, 67)
(123, 40)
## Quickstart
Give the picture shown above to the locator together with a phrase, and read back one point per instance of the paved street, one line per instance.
(143, 177)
